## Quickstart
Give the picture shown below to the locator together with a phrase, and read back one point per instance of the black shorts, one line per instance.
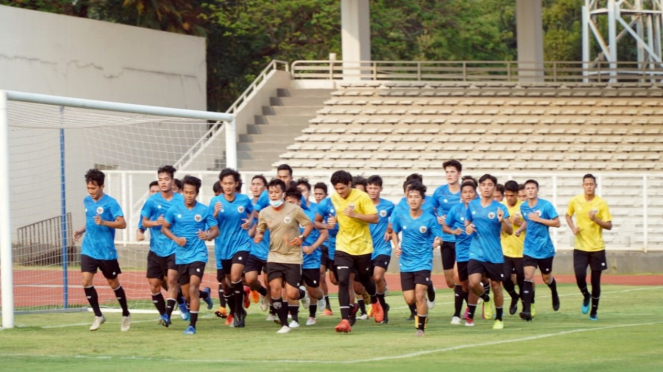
(513, 265)
(332, 269)
(382, 260)
(291, 273)
(220, 275)
(361, 264)
(494, 271)
(410, 280)
(255, 264)
(241, 258)
(596, 260)
(324, 259)
(311, 277)
(462, 271)
(544, 264)
(186, 271)
(110, 268)
(157, 266)
(448, 253)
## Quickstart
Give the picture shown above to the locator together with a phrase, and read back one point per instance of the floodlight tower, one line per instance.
(641, 20)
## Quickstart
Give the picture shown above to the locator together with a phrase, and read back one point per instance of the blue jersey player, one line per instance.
(320, 193)
(102, 216)
(258, 254)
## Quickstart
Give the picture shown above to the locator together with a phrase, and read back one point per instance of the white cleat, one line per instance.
(294, 324)
(126, 323)
(362, 317)
(284, 329)
(431, 304)
(322, 304)
(264, 305)
(271, 318)
(455, 321)
(306, 301)
(311, 321)
(98, 321)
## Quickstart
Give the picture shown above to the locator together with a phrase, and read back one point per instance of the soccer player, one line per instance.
(284, 262)
(538, 250)
(415, 251)
(445, 197)
(353, 244)
(325, 210)
(140, 232)
(499, 193)
(381, 241)
(232, 212)
(485, 220)
(359, 183)
(454, 223)
(522, 195)
(258, 254)
(178, 186)
(512, 247)
(592, 217)
(216, 188)
(189, 225)
(103, 216)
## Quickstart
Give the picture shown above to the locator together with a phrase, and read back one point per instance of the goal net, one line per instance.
(50, 147)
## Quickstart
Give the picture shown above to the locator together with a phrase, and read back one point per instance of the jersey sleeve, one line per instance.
(435, 227)
(468, 215)
(451, 217)
(604, 212)
(551, 211)
(396, 223)
(571, 210)
(210, 221)
(505, 210)
(170, 216)
(263, 201)
(115, 210)
(262, 224)
(302, 218)
(367, 206)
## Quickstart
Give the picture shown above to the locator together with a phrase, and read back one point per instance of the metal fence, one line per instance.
(40, 243)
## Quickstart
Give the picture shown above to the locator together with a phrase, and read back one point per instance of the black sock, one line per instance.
(193, 319)
(122, 299)
(498, 313)
(458, 300)
(230, 302)
(510, 288)
(203, 295)
(381, 299)
(595, 306)
(222, 297)
(553, 286)
(312, 309)
(271, 309)
(345, 312)
(486, 287)
(170, 306)
(180, 297)
(473, 308)
(263, 291)
(302, 294)
(413, 309)
(294, 311)
(466, 296)
(585, 295)
(421, 322)
(528, 294)
(533, 294)
(362, 306)
(93, 299)
(485, 296)
(327, 304)
(159, 303)
(281, 309)
(238, 297)
(431, 293)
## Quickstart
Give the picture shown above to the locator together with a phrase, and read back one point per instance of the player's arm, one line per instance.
(210, 234)
(575, 230)
(261, 226)
(319, 223)
(321, 239)
(119, 222)
(550, 223)
(607, 225)
(520, 230)
(79, 233)
(147, 223)
(368, 218)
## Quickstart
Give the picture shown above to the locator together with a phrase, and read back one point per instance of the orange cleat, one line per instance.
(247, 297)
(255, 297)
(343, 326)
(229, 320)
(327, 312)
(221, 313)
(378, 313)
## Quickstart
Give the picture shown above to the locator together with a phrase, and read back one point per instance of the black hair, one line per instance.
(216, 187)
(470, 179)
(532, 181)
(179, 184)
(303, 181)
(415, 176)
(238, 188)
(230, 172)
(193, 181)
(322, 186)
(95, 176)
(499, 187)
(284, 167)
(275, 182)
(588, 175)
(261, 177)
(418, 186)
(521, 187)
(469, 183)
(167, 169)
(375, 180)
(341, 177)
(293, 192)
(488, 177)
(453, 163)
(511, 186)
(154, 183)
(359, 180)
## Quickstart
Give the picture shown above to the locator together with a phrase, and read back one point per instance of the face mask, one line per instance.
(276, 203)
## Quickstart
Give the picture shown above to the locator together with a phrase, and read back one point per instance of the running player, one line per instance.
(592, 217)
(258, 254)
(140, 232)
(189, 225)
(522, 195)
(416, 252)
(177, 186)
(512, 247)
(499, 193)
(538, 251)
(103, 216)
(320, 194)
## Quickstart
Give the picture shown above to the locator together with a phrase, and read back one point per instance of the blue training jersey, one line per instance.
(416, 242)
(260, 250)
(155, 207)
(456, 220)
(486, 241)
(185, 223)
(325, 210)
(378, 230)
(537, 240)
(99, 241)
(443, 200)
(232, 237)
(311, 261)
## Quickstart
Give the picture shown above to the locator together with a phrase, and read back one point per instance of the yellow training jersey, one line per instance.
(512, 245)
(354, 236)
(590, 236)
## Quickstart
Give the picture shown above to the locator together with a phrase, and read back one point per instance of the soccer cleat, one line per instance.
(363, 317)
(378, 312)
(311, 321)
(585, 306)
(322, 304)
(343, 327)
(455, 321)
(255, 296)
(466, 314)
(369, 311)
(247, 299)
(208, 300)
(125, 325)
(271, 318)
(594, 317)
(526, 316)
(190, 330)
(306, 300)
(514, 305)
(238, 322)
(221, 313)
(184, 312)
(532, 310)
(98, 321)
(293, 324)
(411, 317)
(328, 312)
(284, 329)
(430, 304)
(164, 320)
(487, 309)
(264, 304)
(229, 320)
(498, 324)
(385, 309)
(469, 322)
(555, 301)
(419, 333)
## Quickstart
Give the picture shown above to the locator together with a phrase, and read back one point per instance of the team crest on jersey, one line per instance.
(423, 229)
(383, 213)
(538, 213)
(287, 219)
(240, 209)
(445, 200)
(100, 210)
(179, 216)
(491, 215)
(198, 218)
(462, 218)
(159, 206)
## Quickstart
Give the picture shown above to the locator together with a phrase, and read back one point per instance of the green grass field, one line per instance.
(627, 337)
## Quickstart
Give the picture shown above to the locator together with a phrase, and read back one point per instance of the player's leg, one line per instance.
(237, 288)
(252, 273)
(380, 265)
(155, 276)
(364, 267)
(172, 277)
(546, 267)
(195, 278)
(344, 264)
(420, 292)
(597, 264)
(496, 275)
(476, 271)
(359, 290)
(408, 286)
(509, 286)
(111, 270)
(310, 278)
(88, 269)
(448, 252)
(529, 267)
(275, 281)
(580, 264)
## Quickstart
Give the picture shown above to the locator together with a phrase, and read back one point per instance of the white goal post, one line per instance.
(6, 259)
